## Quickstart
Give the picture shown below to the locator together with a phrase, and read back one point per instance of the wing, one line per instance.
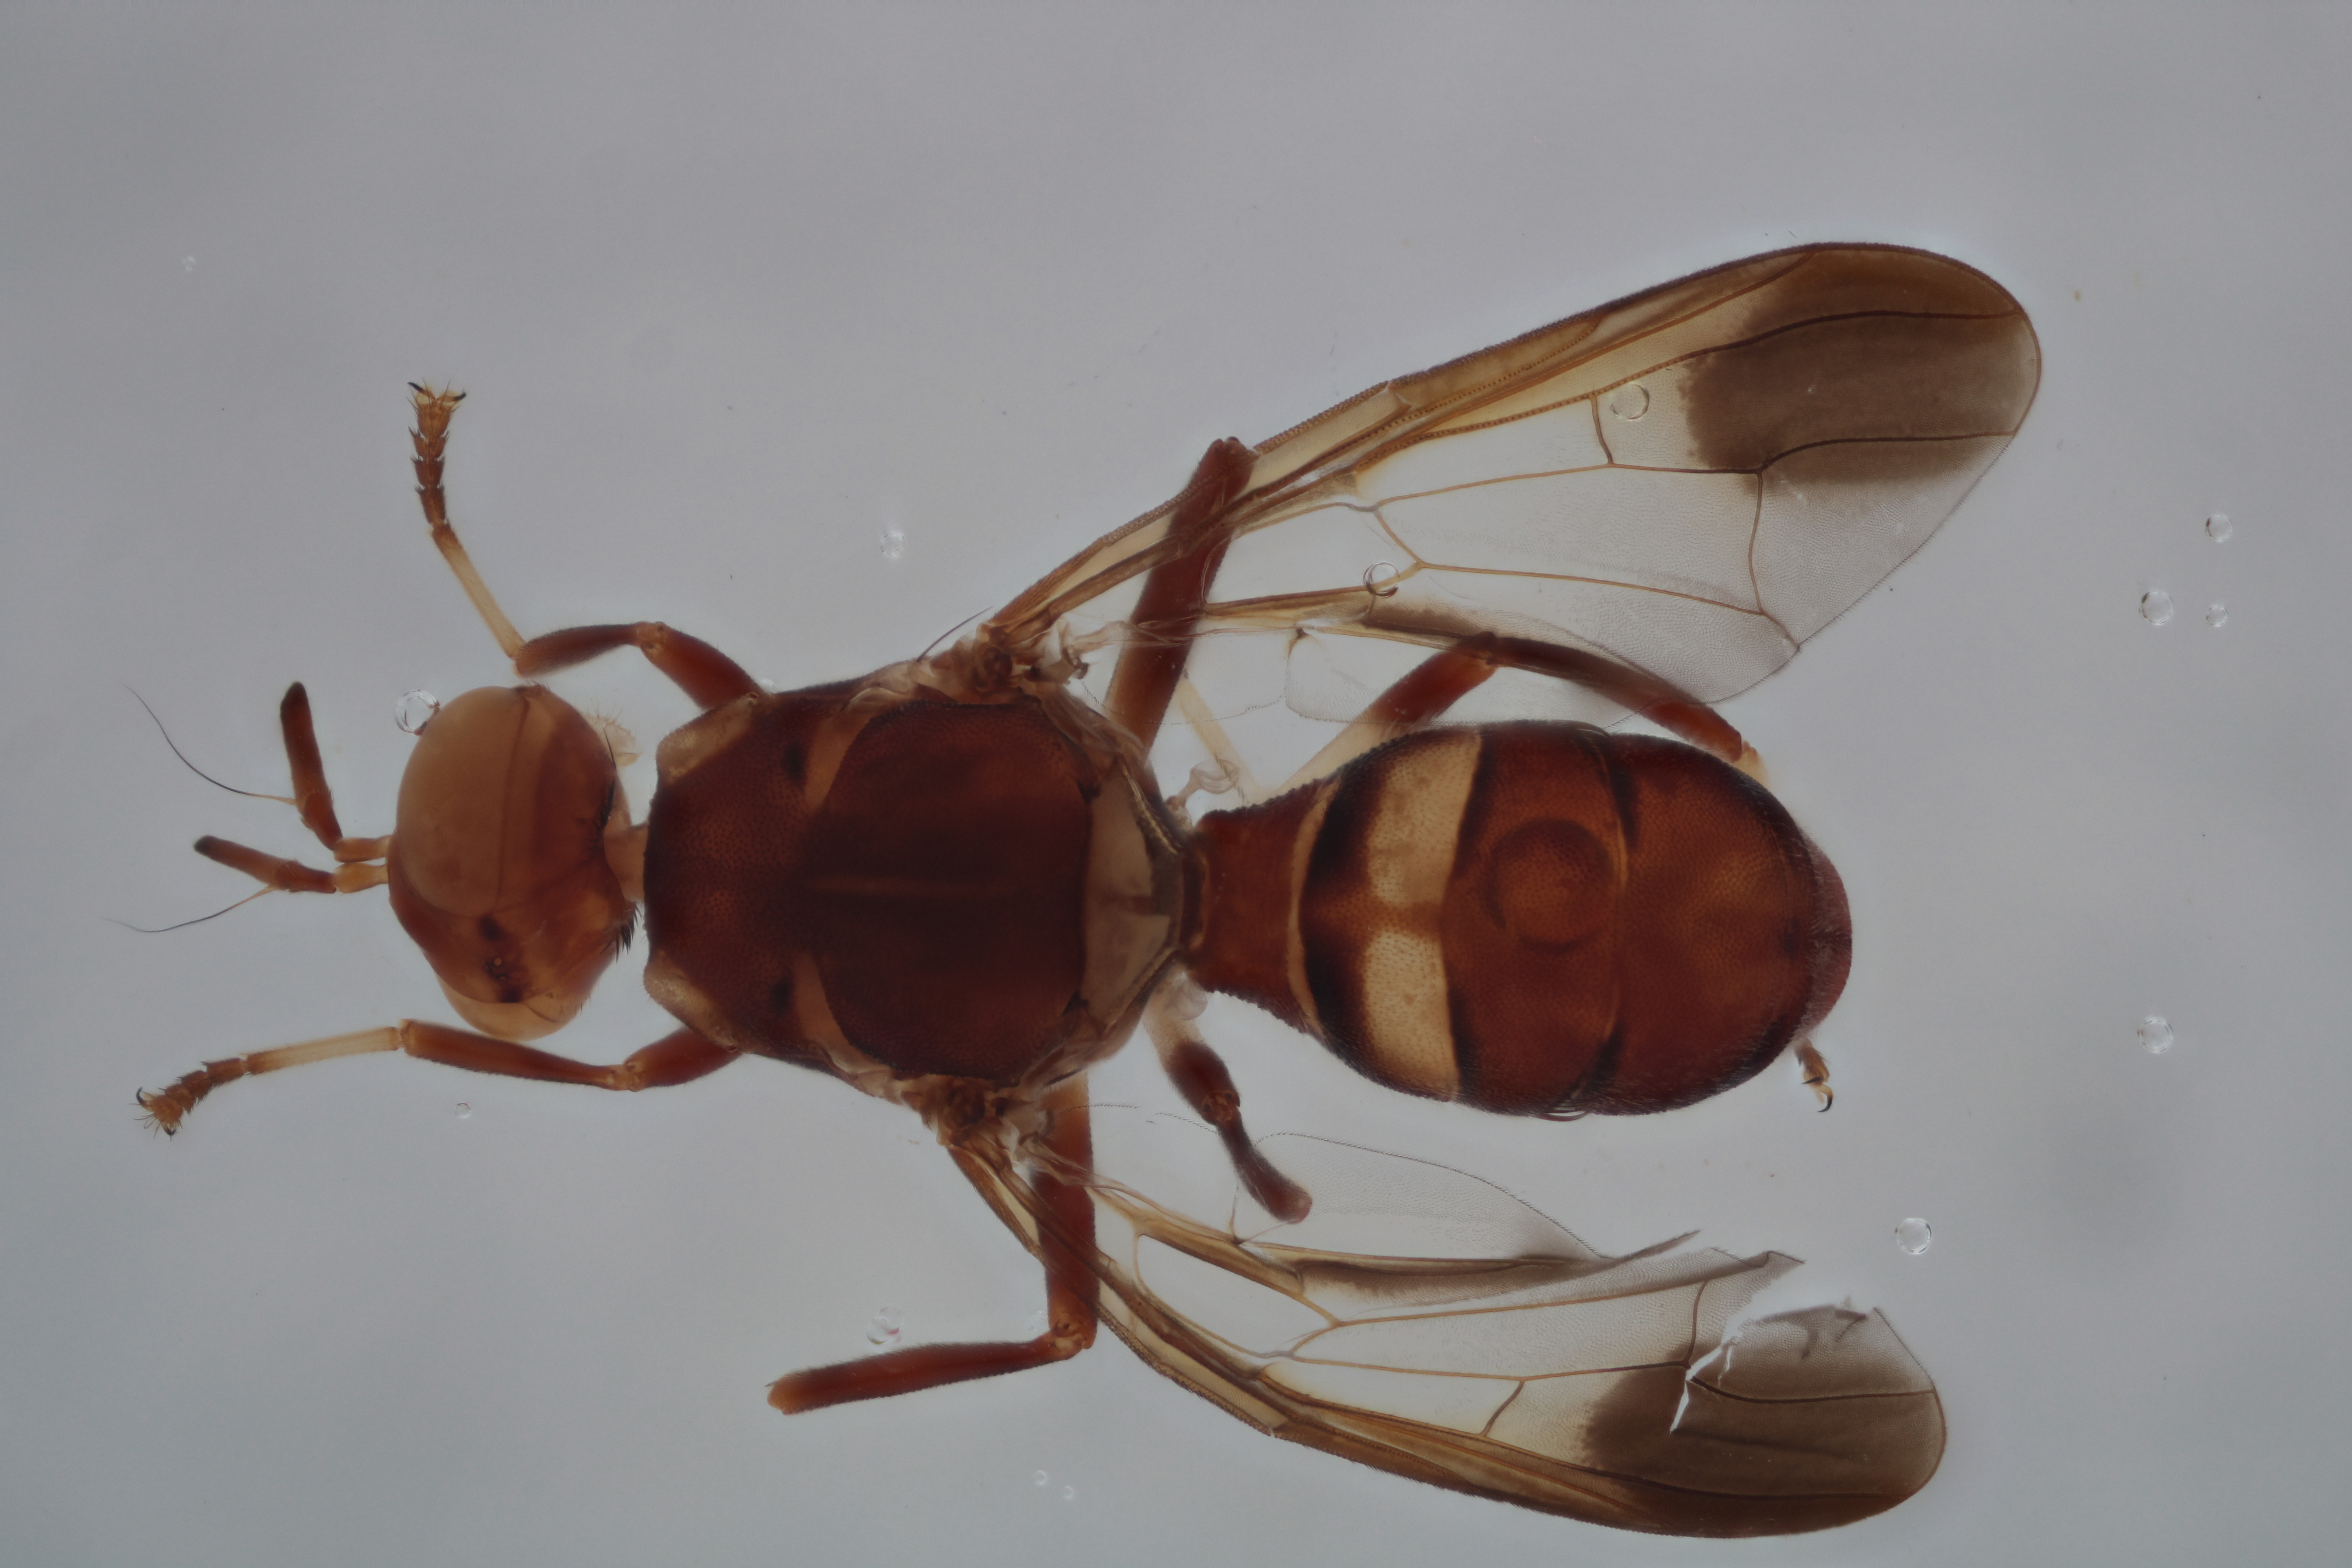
(1691, 481)
(1486, 1349)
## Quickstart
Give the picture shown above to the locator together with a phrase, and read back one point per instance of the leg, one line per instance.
(1221, 747)
(704, 674)
(1445, 678)
(678, 1058)
(1200, 1075)
(1425, 692)
(312, 798)
(357, 858)
(1660, 701)
(1817, 1072)
(284, 876)
(1168, 611)
(1654, 699)
(1065, 1236)
(431, 438)
(709, 676)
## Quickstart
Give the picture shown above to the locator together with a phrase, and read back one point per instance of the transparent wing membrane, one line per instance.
(1484, 1348)
(1692, 481)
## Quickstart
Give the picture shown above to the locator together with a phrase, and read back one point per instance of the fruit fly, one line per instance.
(955, 883)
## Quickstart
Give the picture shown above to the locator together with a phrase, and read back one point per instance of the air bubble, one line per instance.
(2156, 1034)
(2155, 605)
(1184, 998)
(2218, 528)
(2217, 615)
(1630, 402)
(1913, 1235)
(1043, 1477)
(415, 710)
(465, 1110)
(894, 543)
(1210, 778)
(1069, 1494)
(884, 1328)
(187, 264)
(1380, 580)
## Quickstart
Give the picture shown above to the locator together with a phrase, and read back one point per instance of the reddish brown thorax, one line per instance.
(968, 889)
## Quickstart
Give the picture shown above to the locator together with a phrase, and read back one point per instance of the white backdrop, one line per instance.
(734, 294)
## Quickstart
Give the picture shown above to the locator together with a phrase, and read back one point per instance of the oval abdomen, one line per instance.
(1535, 919)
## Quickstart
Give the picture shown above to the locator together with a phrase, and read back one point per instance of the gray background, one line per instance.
(733, 294)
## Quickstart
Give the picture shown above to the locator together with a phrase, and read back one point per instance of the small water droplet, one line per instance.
(1630, 402)
(415, 709)
(1043, 1477)
(1069, 1494)
(1912, 1236)
(187, 264)
(2217, 615)
(2156, 604)
(894, 543)
(884, 1328)
(2156, 1034)
(2218, 526)
(465, 1110)
(1380, 580)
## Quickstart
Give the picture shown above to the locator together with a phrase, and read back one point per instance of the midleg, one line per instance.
(1168, 612)
(1065, 1236)
(677, 1058)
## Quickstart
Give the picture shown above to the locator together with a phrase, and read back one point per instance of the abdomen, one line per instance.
(1533, 919)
